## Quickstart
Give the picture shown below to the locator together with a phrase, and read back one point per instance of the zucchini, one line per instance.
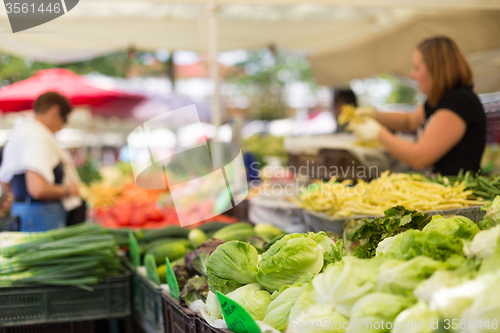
(238, 231)
(212, 226)
(168, 232)
(172, 251)
(162, 241)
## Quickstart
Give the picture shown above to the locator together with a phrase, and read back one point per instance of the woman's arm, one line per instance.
(39, 189)
(398, 121)
(444, 131)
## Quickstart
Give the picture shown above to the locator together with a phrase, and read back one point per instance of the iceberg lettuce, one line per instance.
(401, 277)
(413, 243)
(416, 319)
(232, 265)
(344, 282)
(287, 260)
(458, 226)
(252, 298)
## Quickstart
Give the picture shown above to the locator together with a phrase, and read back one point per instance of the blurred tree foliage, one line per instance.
(117, 64)
(263, 76)
(401, 93)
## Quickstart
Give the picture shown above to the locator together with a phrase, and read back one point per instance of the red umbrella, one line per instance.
(20, 96)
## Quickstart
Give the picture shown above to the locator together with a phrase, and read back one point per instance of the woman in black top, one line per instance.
(452, 121)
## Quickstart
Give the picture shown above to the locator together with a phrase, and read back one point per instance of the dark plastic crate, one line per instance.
(204, 327)
(25, 305)
(146, 299)
(70, 327)
(177, 318)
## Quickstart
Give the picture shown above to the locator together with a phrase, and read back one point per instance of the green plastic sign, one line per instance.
(135, 254)
(173, 286)
(237, 319)
(151, 269)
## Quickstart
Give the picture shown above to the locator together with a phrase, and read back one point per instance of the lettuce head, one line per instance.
(413, 243)
(418, 316)
(232, 265)
(458, 226)
(345, 282)
(375, 308)
(319, 319)
(252, 298)
(287, 260)
(401, 277)
(485, 243)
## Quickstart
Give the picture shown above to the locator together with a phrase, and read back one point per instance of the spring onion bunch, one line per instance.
(78, 255)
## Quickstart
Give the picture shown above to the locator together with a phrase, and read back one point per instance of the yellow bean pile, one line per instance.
(389, 190)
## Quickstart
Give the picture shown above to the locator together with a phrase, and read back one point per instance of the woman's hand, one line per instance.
(367, 130)
(73, 190)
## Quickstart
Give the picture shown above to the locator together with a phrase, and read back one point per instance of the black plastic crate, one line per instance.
(204, 327)
(146, 299)
(177, 318)
(69, 327)
(25, 305)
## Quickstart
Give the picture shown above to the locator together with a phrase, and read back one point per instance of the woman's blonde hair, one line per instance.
(447, 66)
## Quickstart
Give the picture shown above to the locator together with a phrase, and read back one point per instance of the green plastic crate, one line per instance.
(26, 305)
(146, 299)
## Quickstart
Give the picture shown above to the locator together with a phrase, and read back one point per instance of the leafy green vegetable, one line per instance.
(401, 277)
(483, 246)
(306, 299)
(319, 318)
(196, 288)
(253, 298)
(196, 261)
(344, 282)
(231, 265)
(370, 232)
(458, 226)
(375, 308)
(213, 306)
(419, 316)
(485, 308)
(413, 243)
(278, 311)
(288, 259)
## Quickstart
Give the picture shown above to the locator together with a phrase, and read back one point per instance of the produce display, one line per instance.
(265, 145)
(407, 268)
(189, 252)
(79, 256)
(412, 191)
(482, 186)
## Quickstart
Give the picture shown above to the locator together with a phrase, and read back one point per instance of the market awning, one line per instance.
(476, 33)
(21, 95)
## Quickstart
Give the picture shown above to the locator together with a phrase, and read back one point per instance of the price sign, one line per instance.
(237, 319)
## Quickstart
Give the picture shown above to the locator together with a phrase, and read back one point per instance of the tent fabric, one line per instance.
(475, 32)
(346, 39)
(21, 95)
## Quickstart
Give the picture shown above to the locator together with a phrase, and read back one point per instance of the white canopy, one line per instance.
(340, 35)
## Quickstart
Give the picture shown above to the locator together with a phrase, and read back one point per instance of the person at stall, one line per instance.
(37, 171)
(342, 97)
(451, 124)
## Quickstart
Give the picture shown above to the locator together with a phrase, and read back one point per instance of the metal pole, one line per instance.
(212, 10)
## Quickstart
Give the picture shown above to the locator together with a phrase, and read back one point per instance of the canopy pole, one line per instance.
(212, 10)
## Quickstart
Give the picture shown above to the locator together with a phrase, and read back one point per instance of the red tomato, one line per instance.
(154, 214)
(138, 219)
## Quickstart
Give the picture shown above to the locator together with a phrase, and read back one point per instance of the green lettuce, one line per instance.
(252, 298)
(485, 243)
(485, 308)
(413, 243)
(345, 282)
(306, 299)
(232, 265)
(319, 318)
(278, 311)
(401, 277)
(458, 226)
(375, 308)
(287, 260)
(417, 319)
(213, 306)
